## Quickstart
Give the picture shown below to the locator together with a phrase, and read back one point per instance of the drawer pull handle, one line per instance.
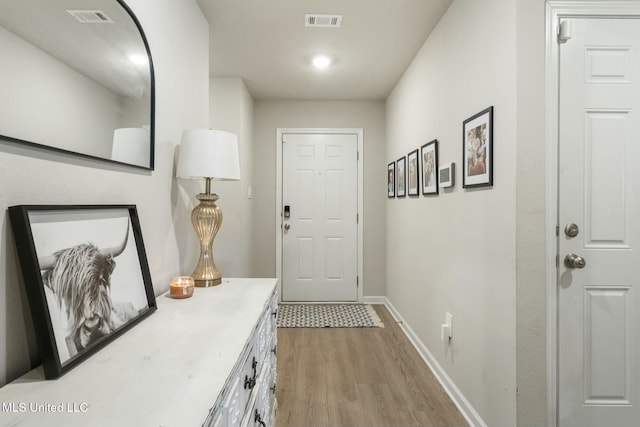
(273, 350)
(258, 419)
(250, 383)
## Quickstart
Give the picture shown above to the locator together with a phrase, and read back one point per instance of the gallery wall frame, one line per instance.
(429, 159)
(86, 276)
(413, 174)
(391, 180)
(477, 150)
(401, 178)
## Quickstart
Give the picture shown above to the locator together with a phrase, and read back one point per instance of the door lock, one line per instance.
(571, 230)
(574, 261)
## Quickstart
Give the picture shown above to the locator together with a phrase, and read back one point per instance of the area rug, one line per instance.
(328, 316)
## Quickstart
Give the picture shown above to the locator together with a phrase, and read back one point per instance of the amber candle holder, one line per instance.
(181, 287)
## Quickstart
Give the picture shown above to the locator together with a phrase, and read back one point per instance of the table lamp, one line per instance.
(212, 155)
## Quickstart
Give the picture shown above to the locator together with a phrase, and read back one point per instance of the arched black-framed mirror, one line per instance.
(77, 77)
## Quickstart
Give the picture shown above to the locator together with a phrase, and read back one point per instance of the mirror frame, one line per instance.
(152, 109)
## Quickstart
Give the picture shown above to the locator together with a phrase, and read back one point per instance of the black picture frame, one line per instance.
(429, 159)
(86, 276)
(401, 177)
(413, 174)
(477, 150)
(391, 180)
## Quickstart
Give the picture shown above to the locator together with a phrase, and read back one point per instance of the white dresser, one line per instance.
(207, 360)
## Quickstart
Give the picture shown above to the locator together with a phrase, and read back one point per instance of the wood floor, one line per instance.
(357, 377)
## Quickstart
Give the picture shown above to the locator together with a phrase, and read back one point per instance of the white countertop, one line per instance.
(166, 371)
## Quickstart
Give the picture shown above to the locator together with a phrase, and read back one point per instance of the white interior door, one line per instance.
(599, 145)
(319, 206)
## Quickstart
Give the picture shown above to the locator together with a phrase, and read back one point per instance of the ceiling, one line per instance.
(266, 43)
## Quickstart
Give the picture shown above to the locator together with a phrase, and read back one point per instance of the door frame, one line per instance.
(556, 10)
(359, 133)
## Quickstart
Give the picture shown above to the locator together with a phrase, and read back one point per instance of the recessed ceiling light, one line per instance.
(321, 61)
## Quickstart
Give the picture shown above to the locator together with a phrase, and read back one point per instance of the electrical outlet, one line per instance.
(444, 333)
(446, 329)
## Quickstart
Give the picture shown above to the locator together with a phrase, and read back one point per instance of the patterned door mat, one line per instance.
(328, 316)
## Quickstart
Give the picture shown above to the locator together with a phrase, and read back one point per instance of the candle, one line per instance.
(181, 287)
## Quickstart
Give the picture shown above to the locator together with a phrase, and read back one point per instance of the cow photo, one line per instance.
(91, 276)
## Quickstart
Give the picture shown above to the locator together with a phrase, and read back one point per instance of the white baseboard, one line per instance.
(463, 405)
(375, 300)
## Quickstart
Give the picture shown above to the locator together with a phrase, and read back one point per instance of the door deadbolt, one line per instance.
(571, 230)
(574, 261)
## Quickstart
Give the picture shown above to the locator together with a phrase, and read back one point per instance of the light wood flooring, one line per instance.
(357, 377)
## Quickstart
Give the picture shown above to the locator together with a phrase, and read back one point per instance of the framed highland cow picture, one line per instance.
(86, 276)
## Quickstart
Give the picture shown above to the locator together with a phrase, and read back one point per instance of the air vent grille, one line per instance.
(325, 21)
(90, 16)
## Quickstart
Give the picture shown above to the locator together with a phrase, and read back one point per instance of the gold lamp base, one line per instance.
(206, 219)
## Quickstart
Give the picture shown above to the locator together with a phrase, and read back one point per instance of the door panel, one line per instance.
(599, 124)
(319, 239)
(607, 207)
(606, 346)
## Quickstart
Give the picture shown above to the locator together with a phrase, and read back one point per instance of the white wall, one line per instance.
(530, 215)
(231, 110)
(270, 115)
(457, 252)
(31, 176)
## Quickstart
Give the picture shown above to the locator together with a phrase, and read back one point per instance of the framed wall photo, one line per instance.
(413, 175)
(477, 150)
(429, 158)
(401, 179)
(391, 180)
(86, 276)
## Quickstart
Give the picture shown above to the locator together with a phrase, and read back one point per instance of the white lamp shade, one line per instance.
(209, 153)
(132, 145)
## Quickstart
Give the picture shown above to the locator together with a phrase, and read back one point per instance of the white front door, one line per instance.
(599, 192)
(319, 208)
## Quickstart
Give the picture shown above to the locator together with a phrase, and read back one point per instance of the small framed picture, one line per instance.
(86, 276)
(391, 180)
(401, 179)
(429, 156)
(413, 176)
(477, 150)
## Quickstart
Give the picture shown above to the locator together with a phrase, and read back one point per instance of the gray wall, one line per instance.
(456, 252)
(370, 115)
(34, 177)
(232, 111)
(531, 299)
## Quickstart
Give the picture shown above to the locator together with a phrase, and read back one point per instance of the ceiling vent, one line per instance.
(325, 21)
(90, 16)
